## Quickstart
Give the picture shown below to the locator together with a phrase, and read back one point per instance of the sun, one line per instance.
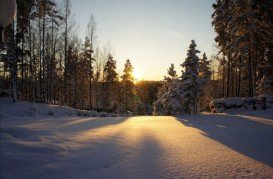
(137, 75)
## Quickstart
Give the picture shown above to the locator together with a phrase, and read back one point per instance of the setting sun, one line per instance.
(136, 89)
(137, 75)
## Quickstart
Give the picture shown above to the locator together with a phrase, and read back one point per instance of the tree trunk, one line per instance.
(228, 77)
(239, 77)
(14, 66)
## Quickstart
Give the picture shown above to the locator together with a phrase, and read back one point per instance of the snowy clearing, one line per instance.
(207, 145)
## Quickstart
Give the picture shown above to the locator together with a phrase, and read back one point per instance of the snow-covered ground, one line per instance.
(25, 110)
(206, 146)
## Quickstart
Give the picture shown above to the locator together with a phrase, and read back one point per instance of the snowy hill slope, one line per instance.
(26, 109)
(19, 110)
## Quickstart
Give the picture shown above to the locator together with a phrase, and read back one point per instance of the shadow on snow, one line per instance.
(248, 137)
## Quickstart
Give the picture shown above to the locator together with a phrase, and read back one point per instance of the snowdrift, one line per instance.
(258, 102)
(9, 109)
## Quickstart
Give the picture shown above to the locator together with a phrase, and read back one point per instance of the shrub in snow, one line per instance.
(112, 115)
(233, 102)
(102, 114)
(216, 106)
(79, 113)
(94, 113)
(84, 113)
(249, 100)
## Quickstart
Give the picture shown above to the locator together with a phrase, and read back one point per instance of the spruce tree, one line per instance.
(110, 70)
(204, 69)
(205, 75)
(111, 79)
(87, 56)
(172, 100)
(191, 82)
(170, 96)
(128, 96)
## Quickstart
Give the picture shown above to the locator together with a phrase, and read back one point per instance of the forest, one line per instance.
(184, 89)
(44, 60)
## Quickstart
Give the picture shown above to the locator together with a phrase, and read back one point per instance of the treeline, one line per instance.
(44, 60)
(245, 40)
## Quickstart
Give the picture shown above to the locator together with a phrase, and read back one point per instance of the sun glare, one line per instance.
(137, 75)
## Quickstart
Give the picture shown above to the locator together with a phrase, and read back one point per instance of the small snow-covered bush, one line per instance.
(216, 106)
(112, 115)
(102, 114)
(236, 102)
(256, 102)
(249, 100)
(80, 112)
(94, 113)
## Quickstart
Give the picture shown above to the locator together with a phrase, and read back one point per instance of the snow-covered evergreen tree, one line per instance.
(205, 75)
(111, 79)
(172, 73)
(204, 69)
(172, 100)
(110, 70)
(169, 95)
(191, 81)
(127, 82)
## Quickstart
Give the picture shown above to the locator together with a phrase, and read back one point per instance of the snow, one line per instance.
(233, 102)
(241, 104)
(234, 145)
(21, 110)
(26, 109)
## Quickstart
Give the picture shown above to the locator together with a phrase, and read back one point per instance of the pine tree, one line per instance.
(111, 78)
(205, 75)
(172, 73)
(244, 35)
(66, 36)
(204, 69)
(191, 82)
(110, 70)
(87, 57)
(128, 96)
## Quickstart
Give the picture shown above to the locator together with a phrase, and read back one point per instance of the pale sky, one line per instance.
(151, 33)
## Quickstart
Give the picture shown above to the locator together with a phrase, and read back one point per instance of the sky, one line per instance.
(151, 33)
